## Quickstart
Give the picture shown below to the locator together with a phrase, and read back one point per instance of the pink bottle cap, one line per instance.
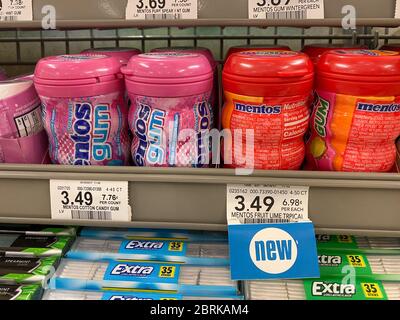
(76, 69)
(122, 54)
(168, 67)
(195, 50)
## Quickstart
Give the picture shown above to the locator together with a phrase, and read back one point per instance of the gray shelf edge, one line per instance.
(189, 226)
(21, 169)
(120, 23)
(199, 176)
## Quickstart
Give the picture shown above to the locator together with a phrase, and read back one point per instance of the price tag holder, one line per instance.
(266, 204)
(90, 200)
(286, 9)
(161, 9)
(16, 10)
(270, 235)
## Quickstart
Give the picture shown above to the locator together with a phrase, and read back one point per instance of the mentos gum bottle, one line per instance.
(356, 117)
(122, 54)
(267, 92)
(316, 50)
(170, 112)
(22, 136)
(84, 111)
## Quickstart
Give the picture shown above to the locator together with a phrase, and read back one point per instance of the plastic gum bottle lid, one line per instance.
(123, 54)
(254, 47)
(78, 75)
(168, 74)
(268, 73)
(195, 50)
(359, 72)
(315, 51)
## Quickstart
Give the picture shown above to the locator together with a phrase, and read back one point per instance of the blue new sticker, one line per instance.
(273, 251)
(154, 247)
(142, 272)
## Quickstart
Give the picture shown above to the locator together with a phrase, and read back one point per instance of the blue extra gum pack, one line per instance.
(176, 251)
(184, 235)
(159, 277)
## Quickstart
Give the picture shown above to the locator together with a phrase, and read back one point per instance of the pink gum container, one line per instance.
(22, 136)
(85, 114)
(170, 92)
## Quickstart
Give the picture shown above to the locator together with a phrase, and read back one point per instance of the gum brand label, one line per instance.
(202, 109)
(329, 261)
(80, 57)
(324, 289)
(127, 298)
(321, 117)
(149, 128)
(144, 245)
(131, 270)
(269, 53)
(370, 107)
(257, 109)
(371, 53)
(91, 130)
(167, 54)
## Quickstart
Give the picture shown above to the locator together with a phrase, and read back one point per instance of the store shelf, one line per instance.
(111, 14)
(353, 203)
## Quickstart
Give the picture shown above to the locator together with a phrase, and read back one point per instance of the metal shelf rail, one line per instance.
(196, 198)
(109, 13)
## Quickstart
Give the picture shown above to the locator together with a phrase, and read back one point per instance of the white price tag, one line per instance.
(161, 9)
(397, 12)
(253, 204)
(90, 200)
(16, 10)
(286, 9)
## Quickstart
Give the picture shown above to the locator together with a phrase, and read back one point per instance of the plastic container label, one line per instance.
(351, 133)
(279, 125)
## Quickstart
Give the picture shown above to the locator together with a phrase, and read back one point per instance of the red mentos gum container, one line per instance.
(267, 92)
(254, 47)
(316, 50)
(356, 117)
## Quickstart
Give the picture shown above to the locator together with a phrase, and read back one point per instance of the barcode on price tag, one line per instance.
(260, 204)
(16, 10)
(90, 200)
(161, 9)
(286, 9)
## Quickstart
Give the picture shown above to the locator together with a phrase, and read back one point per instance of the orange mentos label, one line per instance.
(277, 124)
(350, 133)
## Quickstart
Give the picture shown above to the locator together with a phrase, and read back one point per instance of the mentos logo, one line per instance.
(127, 298)
(370, 107)
(91, 130)
(258, 109)
(202, 110)
(149, 128)
(273, 250)
(144, 245)
(321, 116)
(131, 270)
